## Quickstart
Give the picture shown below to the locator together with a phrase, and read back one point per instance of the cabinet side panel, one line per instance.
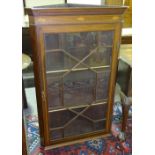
(117, 40)
(38, 82)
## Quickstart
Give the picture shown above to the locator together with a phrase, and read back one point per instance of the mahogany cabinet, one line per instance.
(75, 50)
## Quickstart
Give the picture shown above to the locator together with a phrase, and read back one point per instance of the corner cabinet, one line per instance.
(75, 63)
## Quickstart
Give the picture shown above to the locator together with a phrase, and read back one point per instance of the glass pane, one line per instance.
(66, 49)
(58, 60)
(77, 71)
(57, 134)
(105, 38)
(54, 89)
(79, 88)
(101, 57)
(77, 121)
(78, 127)
(102, 85)
(60, 118)
(96, 112)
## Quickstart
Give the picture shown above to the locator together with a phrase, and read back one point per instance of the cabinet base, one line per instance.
(74, 142)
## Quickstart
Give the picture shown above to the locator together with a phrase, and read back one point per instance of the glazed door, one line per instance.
(78, 69)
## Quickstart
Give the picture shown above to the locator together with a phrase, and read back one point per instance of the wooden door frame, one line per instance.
(41, 30)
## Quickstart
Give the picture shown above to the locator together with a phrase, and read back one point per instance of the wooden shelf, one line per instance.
(77, 69)
(77, 106)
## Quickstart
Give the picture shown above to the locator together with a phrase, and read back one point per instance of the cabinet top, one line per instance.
(75, 9)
